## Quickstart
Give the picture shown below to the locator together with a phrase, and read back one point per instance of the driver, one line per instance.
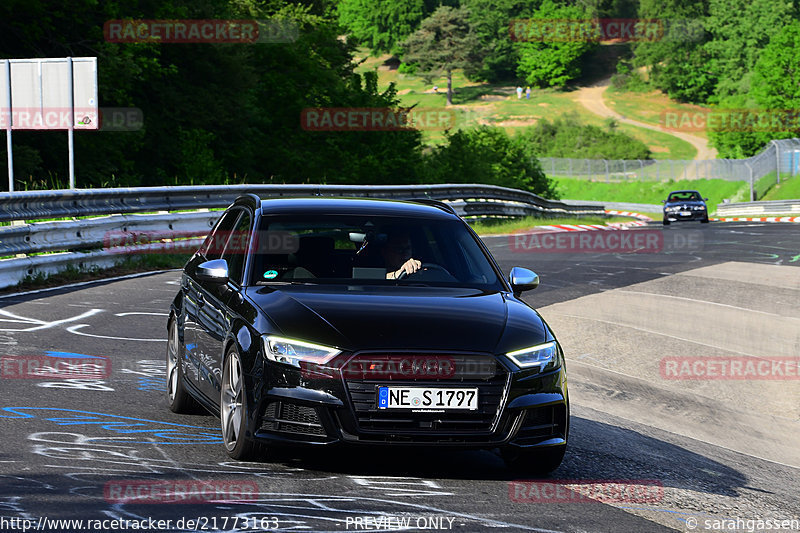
(396, 255)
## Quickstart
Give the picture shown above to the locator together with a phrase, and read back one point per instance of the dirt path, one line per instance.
(592, 99)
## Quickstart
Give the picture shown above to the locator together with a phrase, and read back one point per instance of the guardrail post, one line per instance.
(752, 185)
(777, 162)
(9, 120)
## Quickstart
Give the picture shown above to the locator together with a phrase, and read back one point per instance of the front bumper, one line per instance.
(516, 407)
(678, 216)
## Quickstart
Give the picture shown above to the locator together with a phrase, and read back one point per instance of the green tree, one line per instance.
(740, 29)
(775, 92)
(444, 41)
(381, 25)
(488, 155)
(545, 58)
(679, 64)
(491, 20)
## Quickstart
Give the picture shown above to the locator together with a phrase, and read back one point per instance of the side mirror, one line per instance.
(214, 271)
(705, 199)
(522, 279)
(663, 201)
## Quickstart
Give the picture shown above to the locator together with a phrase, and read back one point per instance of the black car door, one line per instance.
(195, 293)
(214, 316)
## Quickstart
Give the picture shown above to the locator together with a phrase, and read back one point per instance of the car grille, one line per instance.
(291, 418)
(491, 393)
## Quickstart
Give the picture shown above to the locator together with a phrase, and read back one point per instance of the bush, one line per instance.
(628, 79)
(567, 136)
(487, 155)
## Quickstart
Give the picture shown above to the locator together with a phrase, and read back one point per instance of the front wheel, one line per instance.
(666, 222)
(704, 221)
(233, 410)
(534, 461)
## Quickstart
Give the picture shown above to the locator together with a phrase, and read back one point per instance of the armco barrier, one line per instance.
(146, 210)
(772, 207)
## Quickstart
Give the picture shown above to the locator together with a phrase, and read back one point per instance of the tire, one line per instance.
(666, 222)
(533, 461)
(704, 221)
(234, 412)
(178, 399)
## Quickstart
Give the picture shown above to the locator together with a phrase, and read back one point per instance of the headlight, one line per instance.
(671, 209)
(545, 356)
(699, 207)
(292, 351)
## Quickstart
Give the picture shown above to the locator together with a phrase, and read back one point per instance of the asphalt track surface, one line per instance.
(721, 450)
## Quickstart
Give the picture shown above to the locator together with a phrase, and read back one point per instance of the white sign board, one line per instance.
(50, 94)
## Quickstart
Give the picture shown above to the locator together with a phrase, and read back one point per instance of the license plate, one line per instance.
(427, 398)
(686, 213)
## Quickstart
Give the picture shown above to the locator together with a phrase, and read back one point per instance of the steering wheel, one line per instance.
(426, 266)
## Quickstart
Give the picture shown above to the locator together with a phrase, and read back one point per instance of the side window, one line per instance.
(236, 249)
(215, 243)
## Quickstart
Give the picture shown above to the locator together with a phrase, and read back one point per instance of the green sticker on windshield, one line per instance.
(270, 274)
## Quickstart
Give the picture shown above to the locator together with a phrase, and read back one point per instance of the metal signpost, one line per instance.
(48, 94)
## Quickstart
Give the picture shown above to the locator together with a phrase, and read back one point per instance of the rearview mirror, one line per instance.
(214, 271)
(522, 279)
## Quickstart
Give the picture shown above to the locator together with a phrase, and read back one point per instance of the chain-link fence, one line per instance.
(780, 158)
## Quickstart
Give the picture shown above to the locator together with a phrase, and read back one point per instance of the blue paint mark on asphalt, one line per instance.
(70, 355)
(156, 431)
(153, 384)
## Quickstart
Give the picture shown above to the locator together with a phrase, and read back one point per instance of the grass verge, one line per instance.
(494, 227)
(651, 192)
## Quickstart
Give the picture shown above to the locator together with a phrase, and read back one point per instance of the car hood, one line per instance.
(687, 203)
(357, 318)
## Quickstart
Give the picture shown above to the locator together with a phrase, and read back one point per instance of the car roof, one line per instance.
(675, 192)
(353, 206)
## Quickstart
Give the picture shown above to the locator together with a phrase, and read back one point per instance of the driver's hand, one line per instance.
(409, 267)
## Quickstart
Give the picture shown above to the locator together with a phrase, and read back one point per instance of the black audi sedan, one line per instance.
(685, 205)
(328, 321)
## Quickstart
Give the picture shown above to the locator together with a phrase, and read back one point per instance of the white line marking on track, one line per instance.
(41, 324)
(707, 302)
(74, 329)
(141, 313)
(654, 333)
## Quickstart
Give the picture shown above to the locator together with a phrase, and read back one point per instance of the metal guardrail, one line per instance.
(86, 242)
(620, 206)
(772, 207)
(27, 205)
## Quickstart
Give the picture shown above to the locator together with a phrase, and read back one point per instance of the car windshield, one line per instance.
(684, 196)
(365, 250)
